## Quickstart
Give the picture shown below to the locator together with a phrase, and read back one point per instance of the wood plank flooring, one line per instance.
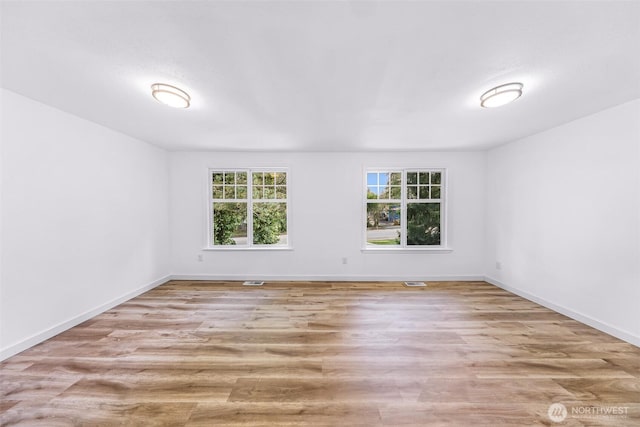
(324, 353)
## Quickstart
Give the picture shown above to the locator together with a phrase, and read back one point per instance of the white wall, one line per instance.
(84, 220)
(326, 211)
(563, 219)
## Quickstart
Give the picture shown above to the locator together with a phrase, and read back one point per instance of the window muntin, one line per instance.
(404, 208)
(248, 208)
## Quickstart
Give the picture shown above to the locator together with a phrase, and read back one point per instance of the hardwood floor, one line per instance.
(335, 354)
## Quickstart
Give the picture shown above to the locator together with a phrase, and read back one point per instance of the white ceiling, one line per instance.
(320, 75)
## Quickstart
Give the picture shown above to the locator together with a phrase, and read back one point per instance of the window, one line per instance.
(405, 208)
(248, 208)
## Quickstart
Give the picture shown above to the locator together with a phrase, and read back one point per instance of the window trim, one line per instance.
(443, 247)
(250, 246)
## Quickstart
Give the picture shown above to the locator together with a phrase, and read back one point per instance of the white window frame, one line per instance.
(403, 202)
(250, 201)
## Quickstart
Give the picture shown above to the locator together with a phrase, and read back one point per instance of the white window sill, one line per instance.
(247, 248)
(387, 250)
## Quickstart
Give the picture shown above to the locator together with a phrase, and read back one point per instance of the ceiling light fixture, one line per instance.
(170, 95)
(501, 95)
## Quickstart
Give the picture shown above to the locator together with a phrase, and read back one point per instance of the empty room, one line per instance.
(322, 213)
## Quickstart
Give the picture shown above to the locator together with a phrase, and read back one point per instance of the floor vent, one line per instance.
(253, 283)
(415, 284)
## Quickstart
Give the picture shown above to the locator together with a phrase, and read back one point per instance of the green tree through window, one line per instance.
(249, 207)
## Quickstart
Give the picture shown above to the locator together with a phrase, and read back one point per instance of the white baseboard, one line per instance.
(582, 318)
(76, 320)
(325, 278)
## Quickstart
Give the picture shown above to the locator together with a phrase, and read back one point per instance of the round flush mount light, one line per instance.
(501, 95)
(170, 95)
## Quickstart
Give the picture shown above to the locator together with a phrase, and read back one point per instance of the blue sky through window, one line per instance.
(377, 182)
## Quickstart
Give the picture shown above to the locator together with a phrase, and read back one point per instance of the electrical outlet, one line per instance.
(498, 265)
(200, 258)
(344, 260)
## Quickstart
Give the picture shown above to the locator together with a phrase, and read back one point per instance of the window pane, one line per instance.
(281, 192)
(281, 178)
(257, 178)
(396, 192)
(423, 224)
(269, 193)
(424, 191)
(372, 178)
(412, 192)
(229, 223)
(396, 178)
(270, 223)
(435, 192)
(229, 178)
(218, 178)
(383, 223)
(269, 178)
(241, 192)
(229, 192)
(217, 192)
(372, 192)
(435, 177)
(385, 192)
(241, 177)
(383, 179)
(424, 177)
(412, 177)
(257, 192)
